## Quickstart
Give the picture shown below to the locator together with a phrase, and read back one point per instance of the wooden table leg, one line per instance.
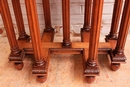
(86, 27)
(66, 23)
(19, 21)
(87, 15)
(91, 64)
(118, 55)
(16, 54)
(39, 67)
(0, 9)
(47, 15)
(115, 21)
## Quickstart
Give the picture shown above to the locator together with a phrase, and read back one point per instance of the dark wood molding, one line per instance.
(115, 20)
(19, 21)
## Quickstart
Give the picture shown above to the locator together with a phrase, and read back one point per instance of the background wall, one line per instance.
(77, 15)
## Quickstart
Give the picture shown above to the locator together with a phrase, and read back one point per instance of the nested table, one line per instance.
(89, 47)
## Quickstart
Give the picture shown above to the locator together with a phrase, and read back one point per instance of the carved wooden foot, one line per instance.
(91, 70)
(18, 65)
(117, 57)
(90, 79)
(41, 79)
(18, 57)
(40, 68)
(115, 66)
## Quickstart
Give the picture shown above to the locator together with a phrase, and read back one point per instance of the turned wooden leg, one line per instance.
(39, 67)
(118, 55)
(47, 15)
(19, 21)
(16, 54)
(91, 69)
(87, 15)
(0, 10)
(66, 23)
(115, 21)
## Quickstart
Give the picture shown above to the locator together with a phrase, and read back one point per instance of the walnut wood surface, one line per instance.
(16, 54)
(66, 22)
(91, 65)
(19, 20)
(95, 28)
(115, 20)
(89, 47)
(47, 15)
(102, 45)
(123, 32)
(0, 10)
(87, 15)
(40, 63)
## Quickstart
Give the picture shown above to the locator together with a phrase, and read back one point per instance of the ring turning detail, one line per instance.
(43, 46)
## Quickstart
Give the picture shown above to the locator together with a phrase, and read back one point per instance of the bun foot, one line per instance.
(90, 79)
(41, 79)
(115, 66)
(18, 65)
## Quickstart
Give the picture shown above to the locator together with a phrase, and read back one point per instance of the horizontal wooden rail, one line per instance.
(51, 45)
(56, 47)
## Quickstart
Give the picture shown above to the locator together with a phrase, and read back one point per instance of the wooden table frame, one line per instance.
(43, 47)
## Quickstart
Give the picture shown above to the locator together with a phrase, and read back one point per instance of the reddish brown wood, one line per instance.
(49, 30)
(47, 15)
(90, 79)
(115, 20)
(91, 64)
(118, 54)
(66, 22)
(19, 20)
(16, 54)
(40, 63)
(0, 9)
(87, 15)
(42, 48)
